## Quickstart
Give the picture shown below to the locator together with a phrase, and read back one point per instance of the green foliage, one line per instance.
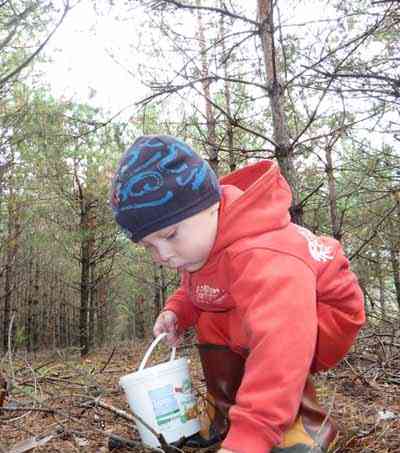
(24, 26)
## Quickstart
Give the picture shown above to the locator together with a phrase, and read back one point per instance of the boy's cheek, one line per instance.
(155, 257)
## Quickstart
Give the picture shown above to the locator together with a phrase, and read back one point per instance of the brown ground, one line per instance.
(66, 398)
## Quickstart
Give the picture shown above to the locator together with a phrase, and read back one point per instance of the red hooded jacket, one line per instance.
(291, 302)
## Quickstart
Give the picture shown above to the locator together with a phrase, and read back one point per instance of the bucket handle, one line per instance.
(151, 348)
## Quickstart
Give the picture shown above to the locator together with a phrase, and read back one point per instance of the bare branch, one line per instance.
(225, 12)
(375, 231)
(24, 64)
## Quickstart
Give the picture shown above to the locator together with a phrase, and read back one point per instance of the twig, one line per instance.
(359, 375)
(44, 364)
(25, 63)
(383, 1)
(164, 444)
(30, 409)
(121, 413)
(108, 361)
(222, 11)
(374, 232)
(36, 441)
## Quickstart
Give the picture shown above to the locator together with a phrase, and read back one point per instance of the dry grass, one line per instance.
(56, 394)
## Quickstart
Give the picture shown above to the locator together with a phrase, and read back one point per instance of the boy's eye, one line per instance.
(171, 235)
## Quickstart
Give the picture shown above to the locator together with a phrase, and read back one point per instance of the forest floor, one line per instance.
(61, 403)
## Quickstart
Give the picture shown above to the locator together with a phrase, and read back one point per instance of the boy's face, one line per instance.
(185, 245)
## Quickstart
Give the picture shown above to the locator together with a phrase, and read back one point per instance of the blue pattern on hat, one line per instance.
(141, 183)
(127, 191)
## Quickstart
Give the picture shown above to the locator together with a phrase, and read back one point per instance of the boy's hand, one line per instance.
(167, 322)
(224, 450)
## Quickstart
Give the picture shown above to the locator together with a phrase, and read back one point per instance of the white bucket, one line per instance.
(162, 396)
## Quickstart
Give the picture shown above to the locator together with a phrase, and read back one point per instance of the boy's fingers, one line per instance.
(173, 341)
(167, 323)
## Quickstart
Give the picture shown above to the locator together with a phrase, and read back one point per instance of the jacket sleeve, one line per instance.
(180, 303)
(340, 311)
(276, 296)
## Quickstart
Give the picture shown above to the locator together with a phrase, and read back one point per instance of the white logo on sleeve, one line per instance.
(206, 294)
(318, 250)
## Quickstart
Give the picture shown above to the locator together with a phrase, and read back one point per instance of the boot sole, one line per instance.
(301, 448)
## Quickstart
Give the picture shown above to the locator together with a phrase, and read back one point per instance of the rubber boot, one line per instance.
(223, 372)
(313, 431)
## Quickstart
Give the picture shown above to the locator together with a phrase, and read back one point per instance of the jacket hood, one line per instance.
(255, 199)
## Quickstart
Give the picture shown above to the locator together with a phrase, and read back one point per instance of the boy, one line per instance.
(270, 301)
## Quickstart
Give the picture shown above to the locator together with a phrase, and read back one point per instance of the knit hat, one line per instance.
(160, 181)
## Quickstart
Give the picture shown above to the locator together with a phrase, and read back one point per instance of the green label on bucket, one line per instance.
(164, 403)
(186, 400)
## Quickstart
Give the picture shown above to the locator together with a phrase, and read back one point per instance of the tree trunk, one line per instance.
(382, 285)
(92, 304)
(46, 316)
(63, 323)
(139, 318)
(102, 301)
(35, 307)
(29, 309)
(212, 147)
(60, 314)
(54, 300)
(283, 148)
(31, 297)
(229, 130)
(85, 281)
(3, 168)
(7, 300)
(14, 230)
(69, 324)
(394, 259)
(92, 224)
(87, 230)
(335, 222)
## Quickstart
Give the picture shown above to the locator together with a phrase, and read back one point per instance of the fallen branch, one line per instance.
(31, 409)
(121, 413)
(360, 376)
(108, 361)
(164, 444)
(36, 441)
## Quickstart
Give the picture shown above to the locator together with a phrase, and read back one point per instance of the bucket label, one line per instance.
(173, 405)
(165, 404)
(187, 401)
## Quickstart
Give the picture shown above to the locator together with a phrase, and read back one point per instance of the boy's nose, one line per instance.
(162, 256)
(161, 259)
